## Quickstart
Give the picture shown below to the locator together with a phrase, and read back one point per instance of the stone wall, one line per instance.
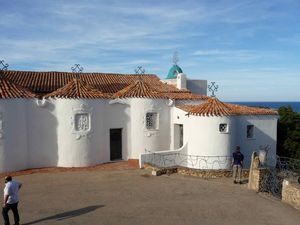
(193, 172)
(209, 173)
(291, 193)
(257, 175)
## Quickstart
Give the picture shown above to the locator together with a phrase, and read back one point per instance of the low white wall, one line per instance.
(165, 158)
(180, 157)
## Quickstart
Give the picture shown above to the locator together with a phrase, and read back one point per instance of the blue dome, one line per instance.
(174, 71)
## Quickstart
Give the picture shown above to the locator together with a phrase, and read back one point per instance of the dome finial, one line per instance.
(175, 58)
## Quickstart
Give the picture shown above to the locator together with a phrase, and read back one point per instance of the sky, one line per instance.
(250, 48)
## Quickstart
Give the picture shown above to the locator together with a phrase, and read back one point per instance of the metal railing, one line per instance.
(286, 168)
(172, 159)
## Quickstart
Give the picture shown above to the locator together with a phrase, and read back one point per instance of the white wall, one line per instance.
(181, 81)
(265, 133)
(46, 136)
(75, 149)
(34, 135)
(118, 117)
(204, 139)
(144, 140)
(203, 136)
(13, 135)
(41, 133)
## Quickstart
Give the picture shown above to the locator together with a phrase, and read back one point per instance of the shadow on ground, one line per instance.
(68, 215)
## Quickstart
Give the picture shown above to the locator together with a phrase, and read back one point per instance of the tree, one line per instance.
(288, 133)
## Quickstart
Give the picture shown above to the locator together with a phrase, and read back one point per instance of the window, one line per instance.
(151, 121)
(250, 131)
(223, 128)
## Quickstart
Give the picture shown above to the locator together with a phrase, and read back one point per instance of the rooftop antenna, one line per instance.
(175, 58)
(77, 69)
(3, 65)
(213, 88)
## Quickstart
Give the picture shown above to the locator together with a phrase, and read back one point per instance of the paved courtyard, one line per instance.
(95, 197)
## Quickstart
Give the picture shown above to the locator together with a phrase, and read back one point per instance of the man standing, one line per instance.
(237, 165)
(11, 200)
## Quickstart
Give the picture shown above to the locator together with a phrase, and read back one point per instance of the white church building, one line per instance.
(65, 119)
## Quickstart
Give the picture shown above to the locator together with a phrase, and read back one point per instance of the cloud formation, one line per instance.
(213, 38)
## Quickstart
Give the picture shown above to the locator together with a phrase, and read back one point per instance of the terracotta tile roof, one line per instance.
(43, 83)
(47, 82)
(11, 90)
(139, 89)
(186, 96)
(214, 107)
(77, 88)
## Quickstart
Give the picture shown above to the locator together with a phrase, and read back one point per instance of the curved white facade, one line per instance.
(76, 132)
(204, 138)
(148, 140)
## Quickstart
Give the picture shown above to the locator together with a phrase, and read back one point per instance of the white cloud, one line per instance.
(236, 54)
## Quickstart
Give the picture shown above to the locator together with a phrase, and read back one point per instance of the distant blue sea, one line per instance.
(273, 105)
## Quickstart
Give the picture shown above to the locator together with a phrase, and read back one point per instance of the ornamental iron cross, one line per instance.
(3, 65)
(77, 68)
(139, 70)
(175, 58)
(213, 88)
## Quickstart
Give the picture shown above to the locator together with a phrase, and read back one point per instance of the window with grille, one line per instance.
(223, 128)
(250, 131)
(152, 121)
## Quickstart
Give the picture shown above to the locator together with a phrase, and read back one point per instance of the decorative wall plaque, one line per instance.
(81, 121)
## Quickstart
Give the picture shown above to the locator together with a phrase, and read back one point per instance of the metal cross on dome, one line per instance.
(139, 70)
(213, 88)
(77, 68)
(175, 58)
(3, 65)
